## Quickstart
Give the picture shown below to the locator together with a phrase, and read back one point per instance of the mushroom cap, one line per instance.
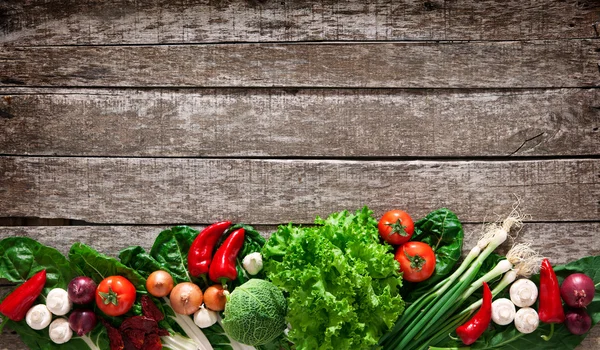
(38, 317)
(503, 311)
(60, 331)
(527, 320)
(523, 292)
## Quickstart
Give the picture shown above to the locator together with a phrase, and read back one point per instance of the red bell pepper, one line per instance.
(474, 328)
(550, 308)
(17, 303)
(223, 267)
(201, 250)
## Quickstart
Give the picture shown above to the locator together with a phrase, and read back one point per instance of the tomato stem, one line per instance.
(398, 228)
(109, 298)
(416, 261)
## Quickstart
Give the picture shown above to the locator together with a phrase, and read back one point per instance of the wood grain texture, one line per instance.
(40, 22)
(124, 190)
(548, 238)
(571, 63)
(306, 123)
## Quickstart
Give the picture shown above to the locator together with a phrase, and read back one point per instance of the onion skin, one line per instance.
(82, 321)
(159, 283)
(578, 322)
(214, 298)
(82, 290)
(186, 298)
(577, 290)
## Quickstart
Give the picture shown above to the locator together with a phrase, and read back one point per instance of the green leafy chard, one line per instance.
(23, 257)
(170, 250)
(342, 284)
(443, 232)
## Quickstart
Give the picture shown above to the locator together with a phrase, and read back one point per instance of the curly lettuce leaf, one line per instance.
(342, 284)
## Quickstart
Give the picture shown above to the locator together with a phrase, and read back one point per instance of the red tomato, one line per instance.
(396, 227)
(115, 295)
(417, 261)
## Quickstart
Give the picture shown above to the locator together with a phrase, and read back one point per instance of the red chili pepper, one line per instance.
(223, 267)
(17, 303)
(201, 251)
(474, 328)
(550, 308)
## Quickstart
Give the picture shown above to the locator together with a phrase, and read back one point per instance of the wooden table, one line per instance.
(119, 118)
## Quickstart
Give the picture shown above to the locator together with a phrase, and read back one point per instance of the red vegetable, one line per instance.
(82, 321)
(114, 336)
(396, 227)
(223, 269)
(142, 332)
(417, 261)
(200, 253)
(578, 322)
(577, 290)
(115, 295)
(17, 303)
(550, 308)
(82, 290)
(474, 328)
(150, 310)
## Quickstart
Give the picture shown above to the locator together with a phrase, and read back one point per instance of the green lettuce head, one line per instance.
(255, 313)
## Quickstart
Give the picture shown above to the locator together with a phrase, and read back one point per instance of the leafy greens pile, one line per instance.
(342, 283)
(23, 257)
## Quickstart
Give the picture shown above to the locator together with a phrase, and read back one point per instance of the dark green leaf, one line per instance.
(170, 250)
(441, 230)
(137, 259)
(23, 257)
(98, 266)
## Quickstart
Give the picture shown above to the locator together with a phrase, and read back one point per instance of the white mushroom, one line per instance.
(523, 292)
(60, 332)
(526, 320)
(58, 302)
(205, 318)
(253, 263)
(38, 317)
(503, 311)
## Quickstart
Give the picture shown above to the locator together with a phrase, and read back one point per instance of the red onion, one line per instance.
(578, 322)
(82, 321)
(577, 290)
(82, 290)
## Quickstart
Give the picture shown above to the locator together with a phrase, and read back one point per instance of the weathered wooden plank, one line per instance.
(308, 123)
(63, 22)
(550, 239)
(570, 63)
(124, 190)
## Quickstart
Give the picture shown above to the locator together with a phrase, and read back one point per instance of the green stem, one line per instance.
(461, 348)
(549, 336)
(424, 303)
(441, 311)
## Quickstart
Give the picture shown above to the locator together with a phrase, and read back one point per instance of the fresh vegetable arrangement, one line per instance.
(348, 282)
